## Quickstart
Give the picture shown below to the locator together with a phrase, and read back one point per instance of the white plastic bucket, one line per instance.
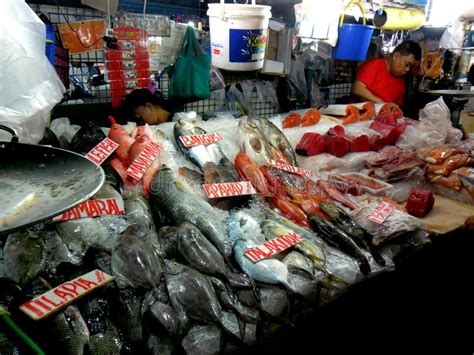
(238, 35)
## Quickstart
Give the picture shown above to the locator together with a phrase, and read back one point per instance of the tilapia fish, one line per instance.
(203, 153)
(177, 200)
(204, 257)
(87, 137)
(279, 144)
(138, 211)
(136, 261)
(253, 142)
(191, 293)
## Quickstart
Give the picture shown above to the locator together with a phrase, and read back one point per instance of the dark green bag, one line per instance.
(189, 76)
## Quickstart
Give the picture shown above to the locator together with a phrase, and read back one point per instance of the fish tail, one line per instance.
(377, 257)
(364, 265)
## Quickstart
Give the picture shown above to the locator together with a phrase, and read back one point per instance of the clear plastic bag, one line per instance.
(432, 130)
(30, 86)
(268, 92)
(297, 88)
(216, 80)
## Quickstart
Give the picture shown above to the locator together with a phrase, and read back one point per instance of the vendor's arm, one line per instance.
(359, 89)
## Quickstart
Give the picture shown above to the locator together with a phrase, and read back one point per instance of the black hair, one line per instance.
(407, 48)
(140, 97)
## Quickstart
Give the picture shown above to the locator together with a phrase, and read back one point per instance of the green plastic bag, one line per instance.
(189, 76)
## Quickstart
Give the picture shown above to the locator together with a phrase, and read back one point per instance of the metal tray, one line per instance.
(39, 182)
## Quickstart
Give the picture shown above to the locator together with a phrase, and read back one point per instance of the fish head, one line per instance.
(183, 127)
(173, 267)
(242, 225)
(272, 229)
(164, 177)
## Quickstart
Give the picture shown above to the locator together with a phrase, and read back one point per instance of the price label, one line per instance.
(93, 208)
(229, 189)
(140, 165)
(61, 296)
(102, 151)
(290, 168)
(380, 213)
(201, 139)
(272, 247)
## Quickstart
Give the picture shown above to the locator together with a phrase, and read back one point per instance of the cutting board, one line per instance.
(448, 215)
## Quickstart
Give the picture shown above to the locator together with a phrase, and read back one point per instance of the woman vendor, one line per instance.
(147, 107)
(382, 79)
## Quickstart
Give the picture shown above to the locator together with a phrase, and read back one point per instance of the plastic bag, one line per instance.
(63, 128)
(432, 130)
(297, 88)
(216, 80)
(237, 101)
(29, 86)
(268, 92)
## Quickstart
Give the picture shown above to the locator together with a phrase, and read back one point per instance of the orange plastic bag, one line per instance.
(86, 36)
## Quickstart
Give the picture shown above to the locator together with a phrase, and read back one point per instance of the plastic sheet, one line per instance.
(30, 86)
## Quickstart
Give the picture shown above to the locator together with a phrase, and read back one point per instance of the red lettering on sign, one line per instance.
(29, 305)
(99, 276)
(68, 286)
(51, 302)
(86, 283)
(63, 294)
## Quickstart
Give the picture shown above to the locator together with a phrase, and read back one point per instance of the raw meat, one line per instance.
(310, 144)
(420, 202)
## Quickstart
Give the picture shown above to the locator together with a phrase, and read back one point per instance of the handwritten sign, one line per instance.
(93, 208)
(290, 168)
(272, 247)
(229, 189)
(61, 296)
(144, 160)
(380, 213)
(102, 151)
(201, 139)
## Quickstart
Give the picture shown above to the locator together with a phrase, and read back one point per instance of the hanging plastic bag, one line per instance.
(189, 76)
(216, 80)
(237, 101)
(29, 86)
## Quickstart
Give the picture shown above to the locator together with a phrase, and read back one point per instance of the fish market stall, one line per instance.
(211, 236)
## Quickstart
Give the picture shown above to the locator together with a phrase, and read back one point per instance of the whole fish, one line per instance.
(137, 211)
(270, 271)
(167, 317)
(88, 136)
(346, 223)
(168, 238)
(108, 192)
(334, 236)
(112, 177)
(278, 142)
(178, 201)
(24, 256)
(56, 250)
(198, 154)
(203, 339)
(135, 261)
(204, 257)
(191, 294)
(65, 332)
(119, 135)
(214, 174)
(253, 142)
(191, 176)
(295, 260)
(242, 224)
(336, 195)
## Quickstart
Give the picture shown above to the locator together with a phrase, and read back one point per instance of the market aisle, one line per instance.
(427, 304)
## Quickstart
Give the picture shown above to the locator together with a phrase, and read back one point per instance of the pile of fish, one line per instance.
(183, 280)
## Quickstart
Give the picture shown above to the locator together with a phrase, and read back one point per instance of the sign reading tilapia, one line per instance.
(229, 189)
(272, 247)
(102, 151)
(59, 297)
(201, 139)
(290, 168)
(144, 160)
(93, 208)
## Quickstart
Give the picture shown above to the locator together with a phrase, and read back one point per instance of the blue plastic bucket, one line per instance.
(353, 41)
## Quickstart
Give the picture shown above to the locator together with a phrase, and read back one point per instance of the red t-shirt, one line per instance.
(380, 82)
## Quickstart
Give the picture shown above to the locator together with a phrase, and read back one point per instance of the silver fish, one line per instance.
(79, 234)
(175, 198)
(243, 225)
(298, 261)
(277, 140)
(198, 154)
(138, 211)
(204, 257)
(253, 142)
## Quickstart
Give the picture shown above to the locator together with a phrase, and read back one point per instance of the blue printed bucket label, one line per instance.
(246, 46)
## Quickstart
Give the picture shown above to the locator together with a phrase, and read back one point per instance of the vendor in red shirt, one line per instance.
(381, 79)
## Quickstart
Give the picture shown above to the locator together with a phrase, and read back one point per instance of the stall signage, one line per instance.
(380, 213)
(272, 247)
(102, 151)
(290, 168)
(144, 160)
(229, 189)
(93, 208)
(201, 139)
(61, 296)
